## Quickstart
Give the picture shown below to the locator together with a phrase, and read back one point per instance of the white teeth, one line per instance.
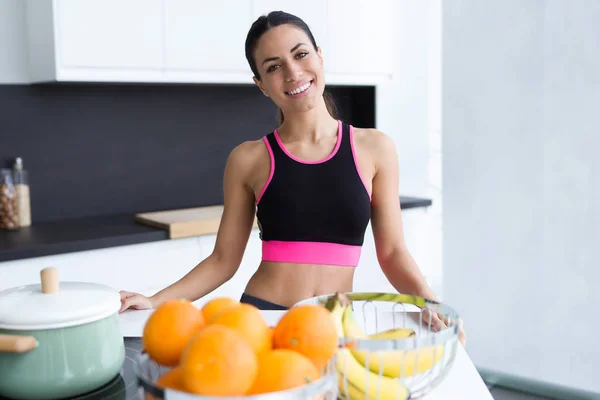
(300, 89)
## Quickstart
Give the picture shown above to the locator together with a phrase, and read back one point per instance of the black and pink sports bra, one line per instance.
(314, 212)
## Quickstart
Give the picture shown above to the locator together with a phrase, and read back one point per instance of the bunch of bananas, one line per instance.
(374, 374)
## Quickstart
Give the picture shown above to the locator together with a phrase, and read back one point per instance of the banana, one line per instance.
(394, 364)
(360, 382)
(348, 391)
(391, 297)
(353, 330)
(395, 333)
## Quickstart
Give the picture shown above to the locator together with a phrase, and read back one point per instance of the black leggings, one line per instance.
(260, 303)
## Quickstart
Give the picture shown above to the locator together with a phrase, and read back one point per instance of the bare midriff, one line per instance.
(286, 283)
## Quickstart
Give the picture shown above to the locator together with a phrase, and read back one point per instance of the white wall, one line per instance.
(521, 126)
(13, 50)
(409, 110)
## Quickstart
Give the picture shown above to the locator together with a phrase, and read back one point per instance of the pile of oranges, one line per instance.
(226, 348)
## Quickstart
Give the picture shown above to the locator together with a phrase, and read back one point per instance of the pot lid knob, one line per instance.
(49, 280)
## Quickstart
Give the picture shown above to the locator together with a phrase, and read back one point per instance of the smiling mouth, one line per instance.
(299, 90)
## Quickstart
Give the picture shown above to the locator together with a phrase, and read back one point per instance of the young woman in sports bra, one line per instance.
(313, 184)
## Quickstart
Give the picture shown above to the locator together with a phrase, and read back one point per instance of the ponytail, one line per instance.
(329, 103)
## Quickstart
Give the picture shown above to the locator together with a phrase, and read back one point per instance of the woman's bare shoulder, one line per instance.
(250, 149)
(248, 155)
(373, 141)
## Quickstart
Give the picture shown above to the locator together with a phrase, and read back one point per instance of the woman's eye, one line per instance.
(302, 54)
(272, 68)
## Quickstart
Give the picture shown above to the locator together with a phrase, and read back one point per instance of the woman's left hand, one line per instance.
(462, 336)
(437, 324)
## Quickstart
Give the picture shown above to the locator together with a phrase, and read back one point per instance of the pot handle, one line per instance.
(17, 343)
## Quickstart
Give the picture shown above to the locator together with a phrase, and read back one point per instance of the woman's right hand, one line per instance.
(135, 301)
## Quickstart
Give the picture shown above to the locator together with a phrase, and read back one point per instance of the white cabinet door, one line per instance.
(144, 268)
(422, 234)
(207, 36)
(359, 37)
(109, 33)
(312, 12)
(369, 276)
(196, 41)
(248, 266)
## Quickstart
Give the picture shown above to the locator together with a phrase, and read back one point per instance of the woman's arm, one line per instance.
(386, 220)
(232, 236)
(396, 261)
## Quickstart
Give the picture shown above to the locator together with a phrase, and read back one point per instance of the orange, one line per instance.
(168, 330)
(216, 305)
(283, 369)
(309, 330)
(171, 379)
(218, 361)
(270, 339)
(246, 319)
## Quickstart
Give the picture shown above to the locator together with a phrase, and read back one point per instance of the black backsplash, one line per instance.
(94, 149)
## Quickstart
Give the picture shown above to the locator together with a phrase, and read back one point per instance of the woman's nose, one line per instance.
(293, 73)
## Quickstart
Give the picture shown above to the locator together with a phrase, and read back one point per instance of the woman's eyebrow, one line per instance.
(277, 58)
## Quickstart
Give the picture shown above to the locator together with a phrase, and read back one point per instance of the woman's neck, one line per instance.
(312, 125)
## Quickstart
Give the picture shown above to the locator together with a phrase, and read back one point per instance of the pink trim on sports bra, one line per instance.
(293, 157)
(311, 253)
(272, 169)
(356, 161)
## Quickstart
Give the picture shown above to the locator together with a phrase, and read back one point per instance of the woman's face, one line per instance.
(291, 70)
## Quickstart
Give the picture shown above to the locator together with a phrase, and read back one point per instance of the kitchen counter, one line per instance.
(463, 382)
(76, 234)
(43, 239)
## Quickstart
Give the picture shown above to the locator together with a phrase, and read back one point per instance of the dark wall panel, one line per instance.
(94, 149)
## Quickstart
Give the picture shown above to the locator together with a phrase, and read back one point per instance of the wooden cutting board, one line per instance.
(185, 222)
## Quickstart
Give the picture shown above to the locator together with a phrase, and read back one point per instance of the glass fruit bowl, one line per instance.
(391, 346)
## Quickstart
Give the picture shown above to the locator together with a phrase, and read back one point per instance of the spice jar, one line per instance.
(21, 183)
(9, 217)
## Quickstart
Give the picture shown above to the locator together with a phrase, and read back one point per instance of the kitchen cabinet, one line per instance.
(422, 240)
(204, 42)
(195, 41)
(354, 36)
(360, 42)
(144, 268)
(149, 267)
(86, 40)
(313, 12)
(95, 40)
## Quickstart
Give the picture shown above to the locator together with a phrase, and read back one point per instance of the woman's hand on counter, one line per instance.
(135, 301)
(437, 323)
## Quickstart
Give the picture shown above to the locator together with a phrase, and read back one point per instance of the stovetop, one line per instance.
(123, 386)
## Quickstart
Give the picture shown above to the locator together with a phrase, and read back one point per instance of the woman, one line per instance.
(315, 182)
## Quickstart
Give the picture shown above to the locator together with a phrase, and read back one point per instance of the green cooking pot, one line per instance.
(58, 342)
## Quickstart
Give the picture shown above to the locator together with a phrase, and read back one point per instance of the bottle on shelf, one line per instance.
(21, 181)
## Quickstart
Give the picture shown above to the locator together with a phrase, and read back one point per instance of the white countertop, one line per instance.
(462, 382)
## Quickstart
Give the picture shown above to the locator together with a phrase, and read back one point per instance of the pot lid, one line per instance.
(52, 304)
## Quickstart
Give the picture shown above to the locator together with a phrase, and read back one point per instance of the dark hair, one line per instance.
(260, 27)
